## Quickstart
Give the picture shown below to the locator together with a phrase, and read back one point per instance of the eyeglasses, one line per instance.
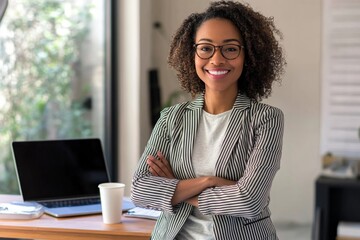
(207, 50)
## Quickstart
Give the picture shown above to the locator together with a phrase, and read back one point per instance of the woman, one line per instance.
(209, 163)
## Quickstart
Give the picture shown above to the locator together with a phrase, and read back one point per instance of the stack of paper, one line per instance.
(20, 210)
(143, 213)
(346, 230)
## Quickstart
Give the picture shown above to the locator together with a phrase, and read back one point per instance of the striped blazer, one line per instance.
(250, 154)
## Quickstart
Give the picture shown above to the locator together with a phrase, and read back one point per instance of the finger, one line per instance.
(151, 157)
(160, 156)
(153, 172)
(155, 167)
(163, 160)
(167, 168)
(164, 166)
(160, 165)
(155, 161)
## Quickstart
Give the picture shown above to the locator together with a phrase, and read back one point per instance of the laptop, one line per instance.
(62, 175)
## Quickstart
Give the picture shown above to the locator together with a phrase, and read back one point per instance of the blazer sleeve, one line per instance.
(151, 191)
(250, 195)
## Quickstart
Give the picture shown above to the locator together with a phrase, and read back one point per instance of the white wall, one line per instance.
(129, 89)
(298, 96)
(135, 60)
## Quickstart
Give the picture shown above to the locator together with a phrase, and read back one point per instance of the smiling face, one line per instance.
(218, 73)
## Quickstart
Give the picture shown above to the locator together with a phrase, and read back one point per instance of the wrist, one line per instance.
(210, 181)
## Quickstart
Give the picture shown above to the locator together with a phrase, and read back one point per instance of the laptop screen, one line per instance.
(59, 169)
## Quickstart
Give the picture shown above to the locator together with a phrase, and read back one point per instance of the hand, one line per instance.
(160, 166)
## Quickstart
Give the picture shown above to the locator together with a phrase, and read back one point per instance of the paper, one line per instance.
(143, 213)
(348, 229)
(20, 210)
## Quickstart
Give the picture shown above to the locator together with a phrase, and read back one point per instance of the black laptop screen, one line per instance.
(59, 169)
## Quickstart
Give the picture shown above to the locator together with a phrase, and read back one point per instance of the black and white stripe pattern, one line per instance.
(250, 155)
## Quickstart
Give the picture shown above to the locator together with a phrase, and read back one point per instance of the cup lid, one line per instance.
(111, 185)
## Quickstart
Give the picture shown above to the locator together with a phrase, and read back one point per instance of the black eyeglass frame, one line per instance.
(220, 47)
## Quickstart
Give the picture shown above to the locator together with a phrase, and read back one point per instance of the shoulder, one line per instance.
(180, 108)
(264, 111)
(243, 102)
(177, 109)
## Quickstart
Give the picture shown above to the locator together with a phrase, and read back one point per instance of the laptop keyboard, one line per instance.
(71, 203)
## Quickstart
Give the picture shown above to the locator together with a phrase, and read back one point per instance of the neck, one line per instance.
(216, 103)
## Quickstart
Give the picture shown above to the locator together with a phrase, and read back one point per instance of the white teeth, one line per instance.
(218, 72)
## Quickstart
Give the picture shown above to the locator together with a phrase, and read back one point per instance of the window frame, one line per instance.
(111, 145)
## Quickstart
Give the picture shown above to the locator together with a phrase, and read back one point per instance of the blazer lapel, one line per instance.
(190, 125)
(232, 133)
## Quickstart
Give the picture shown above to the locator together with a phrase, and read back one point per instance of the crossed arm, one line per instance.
(187, 190)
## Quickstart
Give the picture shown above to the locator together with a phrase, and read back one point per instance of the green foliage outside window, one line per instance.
(40, 48)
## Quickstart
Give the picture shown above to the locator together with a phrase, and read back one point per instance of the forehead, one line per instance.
(217, 30)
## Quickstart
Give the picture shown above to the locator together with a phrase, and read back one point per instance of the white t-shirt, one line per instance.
(210, 135)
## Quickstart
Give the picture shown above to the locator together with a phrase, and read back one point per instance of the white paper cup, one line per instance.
(111, 195)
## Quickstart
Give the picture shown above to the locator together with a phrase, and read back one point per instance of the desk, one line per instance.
(336, 200)
(73, 228)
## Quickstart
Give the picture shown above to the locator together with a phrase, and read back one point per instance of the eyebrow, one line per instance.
(225, 41)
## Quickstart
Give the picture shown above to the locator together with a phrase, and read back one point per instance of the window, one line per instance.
(55, 76)
(341, 78)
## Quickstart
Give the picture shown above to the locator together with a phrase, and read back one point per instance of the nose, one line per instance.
(217, 58)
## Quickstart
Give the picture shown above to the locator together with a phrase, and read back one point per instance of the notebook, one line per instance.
(62, 175)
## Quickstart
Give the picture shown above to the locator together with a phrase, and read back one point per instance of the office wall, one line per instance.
(129, 89)
(292, 196)
(299, 97)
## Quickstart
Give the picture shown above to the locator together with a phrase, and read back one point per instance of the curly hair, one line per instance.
(264, 60)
